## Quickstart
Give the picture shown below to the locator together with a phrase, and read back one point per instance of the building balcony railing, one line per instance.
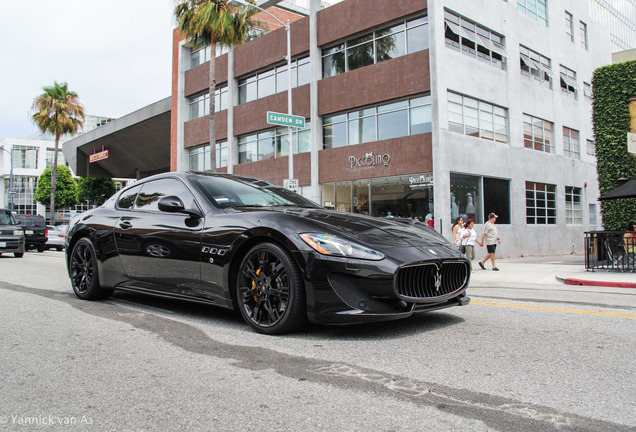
(610, 250)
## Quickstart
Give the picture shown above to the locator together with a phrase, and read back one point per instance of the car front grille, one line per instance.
(431, 282)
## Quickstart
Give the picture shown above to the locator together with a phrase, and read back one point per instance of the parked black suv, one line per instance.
(34, 230)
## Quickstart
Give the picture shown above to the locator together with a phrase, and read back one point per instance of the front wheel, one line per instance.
(17, 254)
(84, 272)
(270, 291)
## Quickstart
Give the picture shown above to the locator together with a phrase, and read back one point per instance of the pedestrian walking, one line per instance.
(491, 238)
(469, 238)
(458, 223)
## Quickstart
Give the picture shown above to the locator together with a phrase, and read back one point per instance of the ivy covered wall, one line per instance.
(613, 87)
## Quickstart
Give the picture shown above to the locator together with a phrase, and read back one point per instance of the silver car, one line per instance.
(56, 237)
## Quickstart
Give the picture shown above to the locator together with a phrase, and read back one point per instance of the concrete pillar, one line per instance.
(315, 61)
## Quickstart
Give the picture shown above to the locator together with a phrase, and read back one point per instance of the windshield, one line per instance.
(225, 192)
(6, 218)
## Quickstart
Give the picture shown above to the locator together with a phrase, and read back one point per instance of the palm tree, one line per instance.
(212, 22)
(58, 112)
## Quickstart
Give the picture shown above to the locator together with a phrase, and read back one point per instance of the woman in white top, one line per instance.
(469, 238)
(457, 227)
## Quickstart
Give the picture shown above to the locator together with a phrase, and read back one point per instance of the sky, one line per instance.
(115, 54)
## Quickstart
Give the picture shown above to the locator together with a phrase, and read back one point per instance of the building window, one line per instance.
(591, 148)
(399, 39)
(592, 215)
(273, 81)
(537, 134)
(401, 196)
(535, 66)
(24, 188)
(569, 26)
(584, 40)
(199, 157)
(474, 40)
(477, 118)
(25, 157)
(202, 55)
(50, 157)
(535, 9)
(571, 146)
(568, 82)
(200, 104)
(587, 90)
(392, 120)
(473, 197)
(573, 212)
(540, 204)
(272, 143)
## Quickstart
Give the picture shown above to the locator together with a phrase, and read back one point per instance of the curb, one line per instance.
(585, 282)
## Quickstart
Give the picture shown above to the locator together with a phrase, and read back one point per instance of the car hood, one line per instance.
(371, 231)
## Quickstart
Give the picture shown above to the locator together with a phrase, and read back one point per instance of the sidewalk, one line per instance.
(561, 269)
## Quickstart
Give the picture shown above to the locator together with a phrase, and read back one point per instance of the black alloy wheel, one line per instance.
(270, 291)
(84, 272)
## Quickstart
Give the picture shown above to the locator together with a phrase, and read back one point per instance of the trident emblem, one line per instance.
(438, 281)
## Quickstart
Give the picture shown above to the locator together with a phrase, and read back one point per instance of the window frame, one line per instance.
(571, 143)
(546, 126)
(487, 45)
(344, 49)
(334, 123)
(537, 193)
(481, 108)
(573, 205)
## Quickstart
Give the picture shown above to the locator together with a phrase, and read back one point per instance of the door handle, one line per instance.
(125, 224)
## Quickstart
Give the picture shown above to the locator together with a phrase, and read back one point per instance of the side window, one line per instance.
(153, 191)
(127, 199)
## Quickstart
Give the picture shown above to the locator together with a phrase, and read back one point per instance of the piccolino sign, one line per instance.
(369, 159)
(421, 180)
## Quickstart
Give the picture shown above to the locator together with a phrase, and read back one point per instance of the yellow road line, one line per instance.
(555, 309)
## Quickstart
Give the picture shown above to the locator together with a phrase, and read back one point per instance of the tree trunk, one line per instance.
(212, 89)
(54, 180)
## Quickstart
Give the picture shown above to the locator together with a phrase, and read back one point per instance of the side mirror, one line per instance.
(173, 204)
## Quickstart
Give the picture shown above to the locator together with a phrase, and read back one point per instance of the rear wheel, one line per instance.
(41, 248)
(270, 290)
(18, 254)
(84, 272)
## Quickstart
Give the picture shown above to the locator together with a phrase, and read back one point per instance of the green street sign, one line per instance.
(285, 119)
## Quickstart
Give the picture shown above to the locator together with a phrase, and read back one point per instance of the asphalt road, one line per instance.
(519, 358)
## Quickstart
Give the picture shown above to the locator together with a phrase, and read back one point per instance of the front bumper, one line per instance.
(341, 291)
(12, 244)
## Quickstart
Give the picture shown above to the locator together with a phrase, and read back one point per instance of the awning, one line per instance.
(627, 190)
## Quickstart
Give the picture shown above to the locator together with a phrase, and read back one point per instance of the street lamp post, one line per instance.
(10, 178)
(289, 79)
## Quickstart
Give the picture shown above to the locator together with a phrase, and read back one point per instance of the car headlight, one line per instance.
(328, 244)
(18, 233)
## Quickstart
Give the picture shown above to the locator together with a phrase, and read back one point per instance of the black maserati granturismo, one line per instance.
(248, 244)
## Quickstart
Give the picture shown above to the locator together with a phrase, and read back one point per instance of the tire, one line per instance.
(59, 249)
(83, 271)
(270, 291)
(41, 248)
(17, 254)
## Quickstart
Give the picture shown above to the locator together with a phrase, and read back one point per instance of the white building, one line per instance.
(537, 171)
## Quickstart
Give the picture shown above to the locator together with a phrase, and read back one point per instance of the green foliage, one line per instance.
(95, 190)
(65, 188)
(613, 86)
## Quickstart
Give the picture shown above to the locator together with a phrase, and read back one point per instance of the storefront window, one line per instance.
(343, 197)
(406, 196)
(472, 197)
(361, 197)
